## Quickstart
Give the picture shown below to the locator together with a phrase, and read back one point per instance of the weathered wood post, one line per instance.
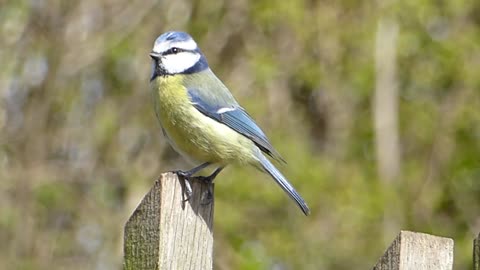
(165, 232)
(417, 251)
(476, 253)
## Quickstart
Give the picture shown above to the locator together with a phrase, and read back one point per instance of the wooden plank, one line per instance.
(417, 251)
(476, 253)
(164, 232)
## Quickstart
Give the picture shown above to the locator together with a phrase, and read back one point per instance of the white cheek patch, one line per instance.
(177, 63)
(162, 46)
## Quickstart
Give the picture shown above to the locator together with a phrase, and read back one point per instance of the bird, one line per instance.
(201, 119)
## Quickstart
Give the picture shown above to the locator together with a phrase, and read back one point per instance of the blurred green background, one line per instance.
(374, 104)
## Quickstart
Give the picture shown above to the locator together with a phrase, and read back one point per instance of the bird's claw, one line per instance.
(207, 198)
(187, 191)
(182, 174)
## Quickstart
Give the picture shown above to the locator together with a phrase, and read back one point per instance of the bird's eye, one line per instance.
(173, 50)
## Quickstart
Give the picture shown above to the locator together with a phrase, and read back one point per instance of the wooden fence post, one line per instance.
(476, 253)
(164, 232)
(417, 251)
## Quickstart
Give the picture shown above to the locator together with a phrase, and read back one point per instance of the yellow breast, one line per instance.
(192, 134)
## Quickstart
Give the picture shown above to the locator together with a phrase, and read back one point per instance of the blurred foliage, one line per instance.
(79, 143)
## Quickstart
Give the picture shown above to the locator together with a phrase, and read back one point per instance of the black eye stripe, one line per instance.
(174, 50)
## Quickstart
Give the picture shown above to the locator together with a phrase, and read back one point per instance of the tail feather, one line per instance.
(284, 184)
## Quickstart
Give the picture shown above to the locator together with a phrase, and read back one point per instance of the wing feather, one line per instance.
(236, 118)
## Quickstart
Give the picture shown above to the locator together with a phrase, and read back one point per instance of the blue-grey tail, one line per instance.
(284, 184)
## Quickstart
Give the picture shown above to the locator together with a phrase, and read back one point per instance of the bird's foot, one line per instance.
(209, 179)
(207, 198)
(187, 191)
(204, 179)
(183, 174)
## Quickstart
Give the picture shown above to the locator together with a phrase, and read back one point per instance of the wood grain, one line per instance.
(164, 232)
(417, 251)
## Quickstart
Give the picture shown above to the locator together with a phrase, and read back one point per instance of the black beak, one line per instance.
(155, 56)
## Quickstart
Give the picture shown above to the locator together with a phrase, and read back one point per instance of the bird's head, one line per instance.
(176, 53)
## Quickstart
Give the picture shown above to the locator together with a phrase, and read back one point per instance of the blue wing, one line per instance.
(234, 117)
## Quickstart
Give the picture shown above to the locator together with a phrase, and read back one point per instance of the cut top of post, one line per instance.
(417, 251)
(167, 232)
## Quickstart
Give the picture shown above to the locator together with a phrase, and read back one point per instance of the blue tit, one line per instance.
(201, 119)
